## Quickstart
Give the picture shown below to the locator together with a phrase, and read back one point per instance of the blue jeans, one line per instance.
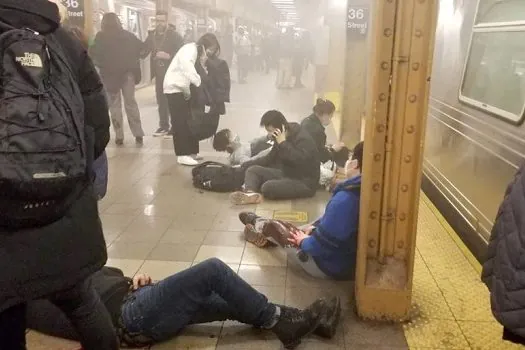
(210, 291)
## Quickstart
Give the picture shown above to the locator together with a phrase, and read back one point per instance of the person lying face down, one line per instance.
(145, 313)
(327, 248)
(240, 152)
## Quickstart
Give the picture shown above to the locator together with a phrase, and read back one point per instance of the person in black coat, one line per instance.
(162, 43)
(291, 169)
(504, 270)
(316, 124)
(54, 261)
(117, 53)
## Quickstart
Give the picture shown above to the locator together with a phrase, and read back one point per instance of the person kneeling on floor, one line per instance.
(145, 313)
(241, 152)
(289, 171)
(327, 248)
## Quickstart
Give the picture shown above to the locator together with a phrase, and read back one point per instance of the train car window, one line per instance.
(494, 75)
(500, 11)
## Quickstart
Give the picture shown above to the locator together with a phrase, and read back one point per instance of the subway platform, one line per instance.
(156, 222)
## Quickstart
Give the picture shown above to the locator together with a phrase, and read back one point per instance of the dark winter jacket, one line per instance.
(169, 42)
(110, 284)
(297, 157)
(504, 269)
(41, 261)
(313, 125)
(117, 54)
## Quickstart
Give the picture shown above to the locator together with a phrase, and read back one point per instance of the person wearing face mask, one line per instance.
(328, 247)
(182, 74)
(240, 152)
(163, 43)
(315, 124)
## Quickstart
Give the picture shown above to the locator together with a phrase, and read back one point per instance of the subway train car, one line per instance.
(475, 138)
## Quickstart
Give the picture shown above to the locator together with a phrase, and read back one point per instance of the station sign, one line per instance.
(357, 21)
(76, 12)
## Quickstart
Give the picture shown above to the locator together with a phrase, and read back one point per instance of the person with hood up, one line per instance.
(117, 53)
(55, 261)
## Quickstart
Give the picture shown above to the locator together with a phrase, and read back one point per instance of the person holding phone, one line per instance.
(181, 74)
(289, 171)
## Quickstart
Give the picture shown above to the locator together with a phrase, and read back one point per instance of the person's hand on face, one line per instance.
(280, 136)
(141, 280)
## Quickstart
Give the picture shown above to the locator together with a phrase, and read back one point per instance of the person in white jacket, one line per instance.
(181, 74)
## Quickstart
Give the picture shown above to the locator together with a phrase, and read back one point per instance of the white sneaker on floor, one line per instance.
(197, 157)
(187, 160)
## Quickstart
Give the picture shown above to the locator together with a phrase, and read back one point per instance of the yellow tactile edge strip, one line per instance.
(450, 231)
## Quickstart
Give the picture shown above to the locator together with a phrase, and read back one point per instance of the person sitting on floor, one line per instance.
(240, 152)
(328, 247)
(289, 171)
(145, 313)
(315, 124)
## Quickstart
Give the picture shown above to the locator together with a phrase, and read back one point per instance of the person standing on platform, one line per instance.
(49, 248)
(117, 53)
(181, 74)
(162, 43)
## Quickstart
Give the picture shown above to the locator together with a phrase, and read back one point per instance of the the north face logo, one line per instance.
(30, 60)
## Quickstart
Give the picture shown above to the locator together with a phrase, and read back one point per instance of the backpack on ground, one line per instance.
(43, 151)
(217, 177)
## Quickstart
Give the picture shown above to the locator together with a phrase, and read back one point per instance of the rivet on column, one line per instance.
(404, 188)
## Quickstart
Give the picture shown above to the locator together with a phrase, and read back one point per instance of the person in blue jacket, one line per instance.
(328, 247)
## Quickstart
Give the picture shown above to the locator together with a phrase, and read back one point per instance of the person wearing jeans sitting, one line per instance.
(327, 248)
(289, 171)
(209, 291)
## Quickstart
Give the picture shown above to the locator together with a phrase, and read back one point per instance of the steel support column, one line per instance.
(396, 111)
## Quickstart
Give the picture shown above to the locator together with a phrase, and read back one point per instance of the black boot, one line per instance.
(295, 324)
(329, 319)
(329, 322)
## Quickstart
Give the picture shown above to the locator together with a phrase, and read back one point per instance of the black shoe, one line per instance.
(329, 322)
(247, 217)
(139, 140)
(119, 142)
(295, 324)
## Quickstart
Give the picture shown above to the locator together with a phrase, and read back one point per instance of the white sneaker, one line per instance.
(187, 160)
(197, 157)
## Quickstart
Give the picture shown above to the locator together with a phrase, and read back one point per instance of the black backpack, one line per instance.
(217, 177)
(42, 139)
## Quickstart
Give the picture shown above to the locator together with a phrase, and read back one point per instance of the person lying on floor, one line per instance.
(240, 152)
(327, 248)
(145, 313)
(289, 171)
